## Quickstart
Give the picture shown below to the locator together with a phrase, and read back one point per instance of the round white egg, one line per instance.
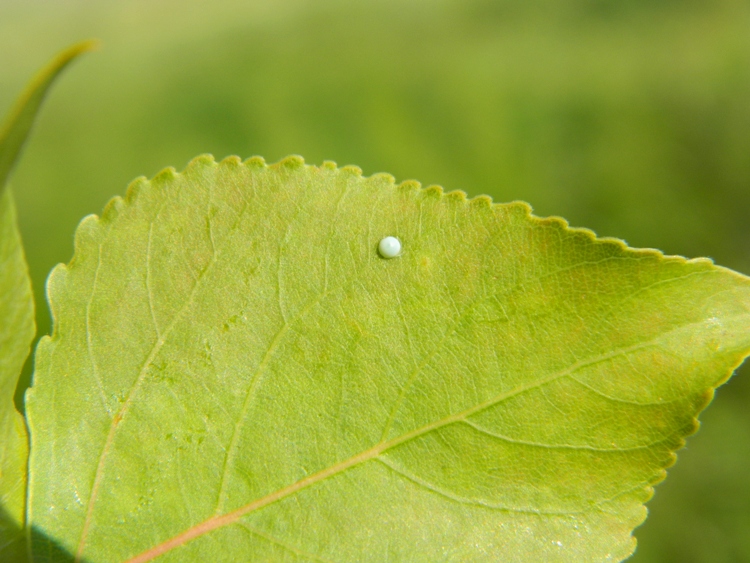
(389, 247)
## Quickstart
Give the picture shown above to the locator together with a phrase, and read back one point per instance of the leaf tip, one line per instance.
(16, 127)
(63, 58)
(85, 46)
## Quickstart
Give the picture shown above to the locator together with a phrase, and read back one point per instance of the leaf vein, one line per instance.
(503, 438)
(463, 500)
(158, 344)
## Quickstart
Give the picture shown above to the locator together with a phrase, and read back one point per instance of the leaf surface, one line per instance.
(17, 326)
(16, 333)
(235, 373)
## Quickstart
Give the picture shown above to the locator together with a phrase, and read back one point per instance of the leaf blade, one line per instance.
(17, 331)
(258, 340)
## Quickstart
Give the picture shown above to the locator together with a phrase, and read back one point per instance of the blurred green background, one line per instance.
(631, 117)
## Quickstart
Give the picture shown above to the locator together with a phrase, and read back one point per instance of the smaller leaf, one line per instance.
(16, 333)
(17, 126)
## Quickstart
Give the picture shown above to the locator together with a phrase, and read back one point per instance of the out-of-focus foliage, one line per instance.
(630, 117)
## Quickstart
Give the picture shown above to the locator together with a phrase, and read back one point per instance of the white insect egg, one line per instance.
(389, 247)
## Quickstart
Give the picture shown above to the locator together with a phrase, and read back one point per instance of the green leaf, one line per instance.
(18, 125)
(17, 326)
(235, 374)
(16, 333)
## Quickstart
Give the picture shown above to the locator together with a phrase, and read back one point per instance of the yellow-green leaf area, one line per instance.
(237, 374)
(16, 333)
